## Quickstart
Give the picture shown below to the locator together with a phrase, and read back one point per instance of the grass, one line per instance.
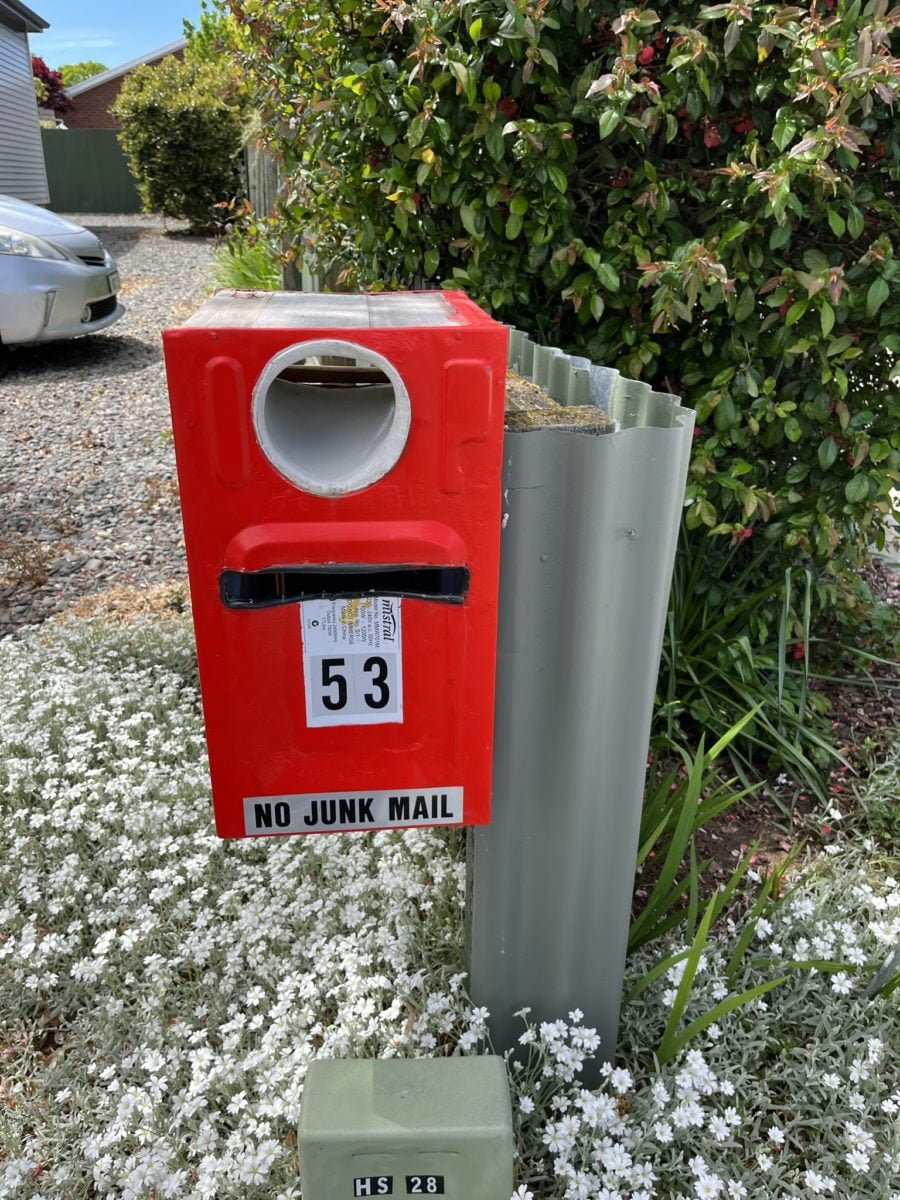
(246, 265)
(736, 649)
(162, 992)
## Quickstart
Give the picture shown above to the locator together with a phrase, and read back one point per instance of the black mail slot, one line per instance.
(342, 581)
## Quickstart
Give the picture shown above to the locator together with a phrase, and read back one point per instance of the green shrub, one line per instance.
(182, 137)
(705, 197)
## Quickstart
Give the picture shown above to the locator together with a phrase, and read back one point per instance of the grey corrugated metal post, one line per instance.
(587, 555)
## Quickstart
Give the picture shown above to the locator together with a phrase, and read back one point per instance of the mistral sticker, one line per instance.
(352, 661)
(328, 812)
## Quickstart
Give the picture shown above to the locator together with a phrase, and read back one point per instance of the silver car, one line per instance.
(56, 279)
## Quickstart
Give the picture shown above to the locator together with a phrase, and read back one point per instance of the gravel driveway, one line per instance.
(88, 498)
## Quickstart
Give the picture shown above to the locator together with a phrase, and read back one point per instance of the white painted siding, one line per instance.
(22, 171)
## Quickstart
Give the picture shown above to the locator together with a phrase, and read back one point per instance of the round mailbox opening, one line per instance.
(330, 416)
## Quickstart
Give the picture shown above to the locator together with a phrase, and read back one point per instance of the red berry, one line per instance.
(646, 55)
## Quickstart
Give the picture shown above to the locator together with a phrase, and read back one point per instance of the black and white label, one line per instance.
(325, 812)
(373, 1185)
(383, 1185)
(352, 661)
(424, 1185)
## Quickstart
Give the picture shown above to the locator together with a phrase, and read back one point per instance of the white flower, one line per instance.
(719, 1128)
(616, 1159)
(642, 1176)
(857, 1160)
(832, 1082)
(662, 1132)
(735, 1189)
(688, 1113)
(621, 1080)
(874, 1049)
(861, 1138)
(841, 983)
(598, 1108)
(555, 1139)
(526, 1104)
(859, 1070)
(707, 1187)
(522, 1193)
(775, 1135)
(765, 1161)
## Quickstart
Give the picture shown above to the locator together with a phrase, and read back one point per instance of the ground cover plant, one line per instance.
(162, 992)
(704, 196)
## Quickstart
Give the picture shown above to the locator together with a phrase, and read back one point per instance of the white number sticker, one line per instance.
(352, 663)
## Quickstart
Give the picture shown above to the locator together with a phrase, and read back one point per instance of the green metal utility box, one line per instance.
(406, 1127)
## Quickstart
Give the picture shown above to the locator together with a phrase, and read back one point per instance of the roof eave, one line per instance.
(16, 16)
(87, 85)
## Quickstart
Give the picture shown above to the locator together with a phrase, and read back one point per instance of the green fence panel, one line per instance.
(87, 172)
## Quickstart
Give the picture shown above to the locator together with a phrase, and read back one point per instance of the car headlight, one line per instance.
(26, 245)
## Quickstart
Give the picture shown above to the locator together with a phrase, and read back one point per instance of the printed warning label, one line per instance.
(324, 812)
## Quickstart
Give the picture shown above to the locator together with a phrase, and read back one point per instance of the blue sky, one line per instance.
(108, 31)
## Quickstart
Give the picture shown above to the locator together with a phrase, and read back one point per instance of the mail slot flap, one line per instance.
(289, 543)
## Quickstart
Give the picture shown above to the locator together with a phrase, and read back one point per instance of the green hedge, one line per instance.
(705, 197)
(182, 135)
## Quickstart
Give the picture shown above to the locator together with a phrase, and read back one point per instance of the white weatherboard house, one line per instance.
(22, 170)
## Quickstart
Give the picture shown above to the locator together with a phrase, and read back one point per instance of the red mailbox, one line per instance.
(339, 464)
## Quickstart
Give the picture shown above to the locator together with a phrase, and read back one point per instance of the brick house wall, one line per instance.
(91, 109)
(92, 106)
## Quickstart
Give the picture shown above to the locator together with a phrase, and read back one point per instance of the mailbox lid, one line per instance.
(407, 1100)
(230, 308)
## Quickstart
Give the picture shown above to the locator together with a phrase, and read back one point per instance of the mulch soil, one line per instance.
(864, 714)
